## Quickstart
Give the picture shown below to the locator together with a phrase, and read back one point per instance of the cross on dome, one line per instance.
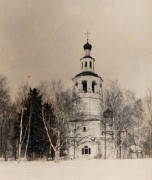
(87, 34)
(87, 46)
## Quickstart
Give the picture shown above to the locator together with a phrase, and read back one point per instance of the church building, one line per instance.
(86, 132)
(93, 133)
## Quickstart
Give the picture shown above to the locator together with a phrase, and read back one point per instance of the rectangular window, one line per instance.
(90, 64)
(84, 86)
(89, 150)
(93, 86)
(85, 64)
(86, 151)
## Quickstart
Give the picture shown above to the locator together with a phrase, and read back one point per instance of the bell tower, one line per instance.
(87, 143)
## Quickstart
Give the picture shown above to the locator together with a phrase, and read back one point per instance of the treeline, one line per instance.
(128, 126)
(36, 124)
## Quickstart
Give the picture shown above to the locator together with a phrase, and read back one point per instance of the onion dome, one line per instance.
(108, 113)
(87, 46)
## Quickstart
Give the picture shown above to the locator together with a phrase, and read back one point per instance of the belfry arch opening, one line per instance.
(90, 64)
(84, 86)
(81, 65)
(86, 64)
(93, 86)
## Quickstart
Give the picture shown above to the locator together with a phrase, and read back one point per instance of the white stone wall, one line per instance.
(92, 129)
(91, 100)
(94, 146)
(78, 84)
(88, 68)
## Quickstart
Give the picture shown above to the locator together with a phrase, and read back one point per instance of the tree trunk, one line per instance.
(29, 128)
(47, 132)
(150, 133)
(25, 156)
(74, 139)
(1, 148)
(57, 155)
(21, 132)
(116, 150)
(105, 140)
(57, 149)
(5, 147)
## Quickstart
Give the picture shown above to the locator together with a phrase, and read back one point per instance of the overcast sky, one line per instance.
(45, 38)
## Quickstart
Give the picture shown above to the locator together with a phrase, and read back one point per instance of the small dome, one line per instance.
(87, 46)
(108, 113)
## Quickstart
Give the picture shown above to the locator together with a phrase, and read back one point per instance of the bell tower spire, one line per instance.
(87, 62)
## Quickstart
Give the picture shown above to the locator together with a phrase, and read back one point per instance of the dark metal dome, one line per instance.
(87, 46)
(108, 113)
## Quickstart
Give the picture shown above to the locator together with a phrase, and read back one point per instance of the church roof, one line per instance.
(88, 57)
(88, 73)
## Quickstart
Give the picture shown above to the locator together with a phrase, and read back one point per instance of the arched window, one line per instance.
(86, 150)
(85, 64)
(90, 64)
(84, 86)
(93, 86)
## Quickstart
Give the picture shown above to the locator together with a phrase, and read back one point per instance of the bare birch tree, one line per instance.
(63, 109)
(127, 113)
(20, 108)
(148, 123)
(4, 113)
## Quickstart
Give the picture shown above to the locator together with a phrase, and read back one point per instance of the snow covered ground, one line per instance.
(78, 170)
